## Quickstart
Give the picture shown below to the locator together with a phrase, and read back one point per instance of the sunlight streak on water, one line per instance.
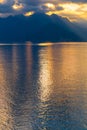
(45, 78)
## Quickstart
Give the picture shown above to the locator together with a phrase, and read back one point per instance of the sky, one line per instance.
(74, 10)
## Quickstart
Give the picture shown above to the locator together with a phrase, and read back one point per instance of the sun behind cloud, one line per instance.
(17, 7)
(50, 5)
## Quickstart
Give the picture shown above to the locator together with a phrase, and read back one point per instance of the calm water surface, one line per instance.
(43, 87)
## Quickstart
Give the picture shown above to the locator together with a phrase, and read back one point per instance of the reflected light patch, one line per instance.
(28, 13)
(45, 44)
(17, 6)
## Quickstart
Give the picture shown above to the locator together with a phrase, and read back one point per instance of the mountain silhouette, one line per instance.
(38, 27)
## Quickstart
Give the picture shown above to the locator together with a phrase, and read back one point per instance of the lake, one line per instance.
(43, 87)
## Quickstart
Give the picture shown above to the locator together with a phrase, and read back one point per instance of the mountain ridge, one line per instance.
(38, 27)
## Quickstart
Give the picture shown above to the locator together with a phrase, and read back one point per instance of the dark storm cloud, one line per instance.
(6, 9)
(30, 2)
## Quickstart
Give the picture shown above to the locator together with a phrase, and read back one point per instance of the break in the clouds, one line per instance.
(73, 9)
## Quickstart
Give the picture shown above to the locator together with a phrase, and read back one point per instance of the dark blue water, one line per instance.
(43, 87)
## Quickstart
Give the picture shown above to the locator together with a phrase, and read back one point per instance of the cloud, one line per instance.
(80, 1)
(12, 6)
(6, 6)
(60, 7)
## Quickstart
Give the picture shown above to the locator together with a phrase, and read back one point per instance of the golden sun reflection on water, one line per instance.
(45, 74)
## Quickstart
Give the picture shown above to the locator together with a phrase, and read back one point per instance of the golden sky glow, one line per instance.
(73, 11)
(2, 1)
(70, 7)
